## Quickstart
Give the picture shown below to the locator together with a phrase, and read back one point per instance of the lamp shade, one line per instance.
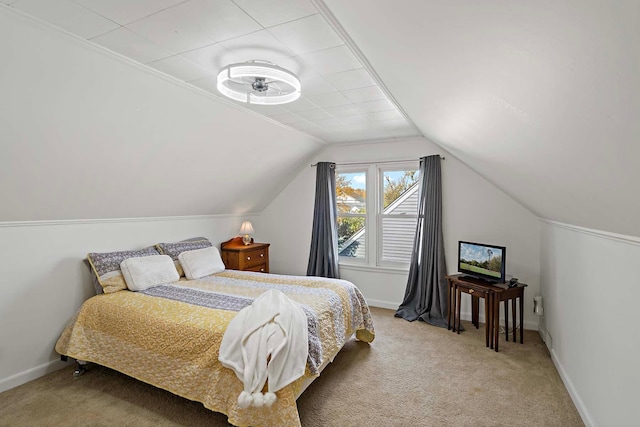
(246, 228)
(258, 82)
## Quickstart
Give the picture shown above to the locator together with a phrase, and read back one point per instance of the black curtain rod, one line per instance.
(368, 163)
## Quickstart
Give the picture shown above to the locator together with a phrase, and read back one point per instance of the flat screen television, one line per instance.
(482, 261)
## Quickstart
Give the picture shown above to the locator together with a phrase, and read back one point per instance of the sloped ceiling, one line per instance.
(540, 97)
(192, 40)
(85, 134)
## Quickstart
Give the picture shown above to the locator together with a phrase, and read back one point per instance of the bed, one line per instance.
(169, 335)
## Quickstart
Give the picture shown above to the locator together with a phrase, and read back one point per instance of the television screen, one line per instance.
(482, 261)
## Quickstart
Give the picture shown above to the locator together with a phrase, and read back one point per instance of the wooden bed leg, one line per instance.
(81, 368)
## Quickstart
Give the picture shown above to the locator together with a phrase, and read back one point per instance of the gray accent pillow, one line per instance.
(106, 266)
(194, 239)
(175, 249)
(94, 279)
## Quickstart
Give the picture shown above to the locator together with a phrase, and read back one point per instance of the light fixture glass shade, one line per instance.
(246, 229)
(258, 82)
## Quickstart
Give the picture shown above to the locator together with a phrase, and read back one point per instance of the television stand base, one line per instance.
(494, 294)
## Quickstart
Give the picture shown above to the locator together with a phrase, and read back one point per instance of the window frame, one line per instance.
(374, 215)
(380, 215)
(355, 260)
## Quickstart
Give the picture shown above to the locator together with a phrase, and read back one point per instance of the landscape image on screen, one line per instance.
(481, 259)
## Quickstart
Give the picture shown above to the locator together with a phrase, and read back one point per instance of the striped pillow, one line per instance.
(175, 249)
(106, 266)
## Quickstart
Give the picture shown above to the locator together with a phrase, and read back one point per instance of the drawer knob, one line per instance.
(471, 291)
(262, 269)
(261, 255)
(248, 258)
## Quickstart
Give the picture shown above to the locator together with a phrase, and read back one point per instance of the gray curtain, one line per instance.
(426, 296)
(323, 257)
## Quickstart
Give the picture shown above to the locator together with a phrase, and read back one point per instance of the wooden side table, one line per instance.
(493, 293)
(504, 293)
(457, 286)
(238, 256)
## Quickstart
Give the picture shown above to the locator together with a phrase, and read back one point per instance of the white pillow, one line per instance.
(145, 272)
(201, 262)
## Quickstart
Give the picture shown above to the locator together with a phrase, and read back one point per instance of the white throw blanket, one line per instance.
(273, 325)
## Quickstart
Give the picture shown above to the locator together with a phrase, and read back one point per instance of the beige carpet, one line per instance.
(412, 375)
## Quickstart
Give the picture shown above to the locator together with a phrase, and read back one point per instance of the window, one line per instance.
(351, 196)
(377, 214)
(398, 214)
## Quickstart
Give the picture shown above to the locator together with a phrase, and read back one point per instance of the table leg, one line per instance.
(487, 319)
(475, 303)
(453, 298)
(506, 320)
(491, 320)
(496, 320)
(522, 316)
(455, 306)
(513, 308)
(450, 306)
(457, 316)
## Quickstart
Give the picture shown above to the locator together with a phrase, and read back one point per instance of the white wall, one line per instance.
(589, 283)
(473, 209)
(44, 280)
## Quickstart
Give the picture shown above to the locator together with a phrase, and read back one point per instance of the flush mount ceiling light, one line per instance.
(258, 82)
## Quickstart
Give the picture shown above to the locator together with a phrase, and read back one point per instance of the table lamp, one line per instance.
(245, 230)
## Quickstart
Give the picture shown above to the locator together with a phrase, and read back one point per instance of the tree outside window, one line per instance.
(351, 198)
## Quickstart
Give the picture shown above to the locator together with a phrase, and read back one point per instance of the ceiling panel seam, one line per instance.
(326, 13)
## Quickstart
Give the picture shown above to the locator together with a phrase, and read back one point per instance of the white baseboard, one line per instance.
(383, 304)
(543, 335)
(542, 330)
(31, 374)
(464, 315)
(582, 410)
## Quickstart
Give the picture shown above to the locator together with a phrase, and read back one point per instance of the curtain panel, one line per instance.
(426, 295)
(323, 256)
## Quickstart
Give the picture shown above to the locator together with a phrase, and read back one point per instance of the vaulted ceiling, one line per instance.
(541, 98)
(192, 40)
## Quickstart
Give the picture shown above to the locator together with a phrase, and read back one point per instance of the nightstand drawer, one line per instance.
(262, 268)
(253, 258)
(238, 256)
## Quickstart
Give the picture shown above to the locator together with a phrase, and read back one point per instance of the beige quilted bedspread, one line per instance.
(173, 344)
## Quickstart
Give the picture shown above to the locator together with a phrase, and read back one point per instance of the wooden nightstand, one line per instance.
(238, 256)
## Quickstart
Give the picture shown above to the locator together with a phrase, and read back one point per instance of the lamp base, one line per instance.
(246, 239)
